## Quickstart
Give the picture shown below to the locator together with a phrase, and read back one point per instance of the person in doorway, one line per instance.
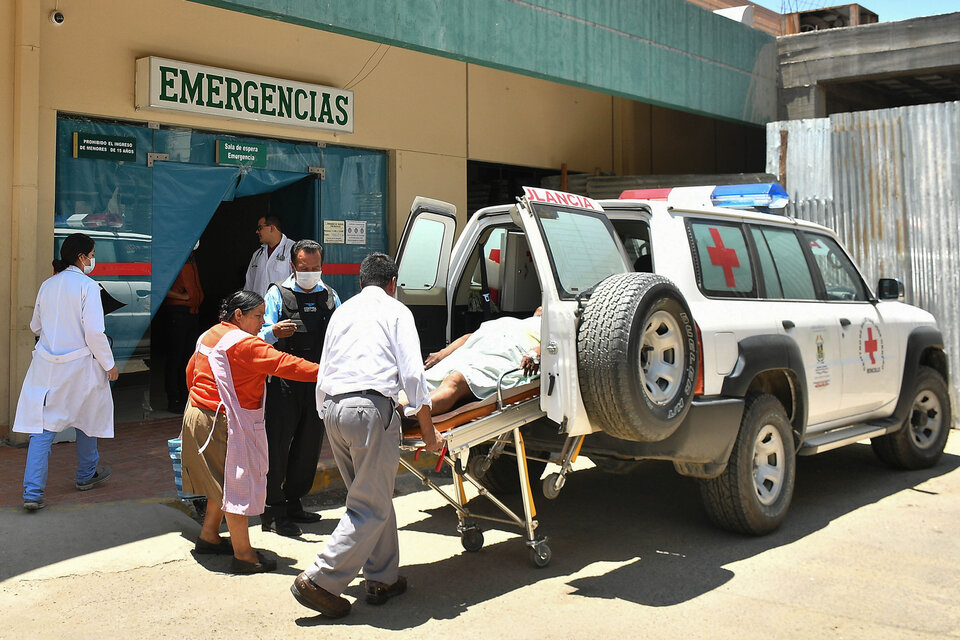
(271, 262)
(370, 353)
(297, 313)
(68, 382)
(224, 445)
(179, 317)
(470, 367)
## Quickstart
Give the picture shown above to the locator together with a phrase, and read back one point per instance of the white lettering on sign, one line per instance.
(560, 197)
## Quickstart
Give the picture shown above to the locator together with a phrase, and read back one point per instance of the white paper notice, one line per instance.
(356, 232)
(333, 232)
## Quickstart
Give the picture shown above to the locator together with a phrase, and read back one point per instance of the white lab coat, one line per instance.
(264, 271)
(66, 384)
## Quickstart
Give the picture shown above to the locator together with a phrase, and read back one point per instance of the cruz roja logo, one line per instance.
(871, 347)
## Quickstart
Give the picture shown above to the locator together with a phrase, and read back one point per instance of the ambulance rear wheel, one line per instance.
(637, 357)
(502, 477)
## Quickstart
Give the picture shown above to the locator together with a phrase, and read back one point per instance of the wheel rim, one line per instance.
(926, 420)
(661, 357)
(769, 464)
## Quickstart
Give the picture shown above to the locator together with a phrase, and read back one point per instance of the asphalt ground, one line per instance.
(866, 552)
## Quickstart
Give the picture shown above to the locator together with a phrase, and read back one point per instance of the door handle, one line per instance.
(844, 322)
(788, 324)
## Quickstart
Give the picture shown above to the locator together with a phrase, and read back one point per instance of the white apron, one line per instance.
(70, 390)
(245, 468)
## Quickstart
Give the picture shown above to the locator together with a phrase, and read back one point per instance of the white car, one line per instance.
(725, 340)
(123, 268)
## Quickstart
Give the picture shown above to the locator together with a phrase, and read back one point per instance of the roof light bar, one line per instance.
(769, 195)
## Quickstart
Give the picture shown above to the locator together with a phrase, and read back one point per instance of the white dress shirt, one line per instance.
(372, 343)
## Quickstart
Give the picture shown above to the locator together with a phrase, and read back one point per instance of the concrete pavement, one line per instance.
(866, 552)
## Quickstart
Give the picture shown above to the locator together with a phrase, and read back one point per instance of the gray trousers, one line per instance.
(364, 433)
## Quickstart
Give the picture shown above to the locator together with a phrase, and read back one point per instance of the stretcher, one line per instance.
(496, 420)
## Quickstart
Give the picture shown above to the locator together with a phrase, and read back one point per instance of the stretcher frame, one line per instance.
(502, 427)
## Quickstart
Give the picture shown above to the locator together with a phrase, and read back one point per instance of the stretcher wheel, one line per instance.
(552, 485)
(540, 555)
(472, 539)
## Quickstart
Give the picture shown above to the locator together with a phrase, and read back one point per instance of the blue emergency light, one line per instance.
(768, 195)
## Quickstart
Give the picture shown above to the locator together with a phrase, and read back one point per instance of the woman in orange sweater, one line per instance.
(224, 444)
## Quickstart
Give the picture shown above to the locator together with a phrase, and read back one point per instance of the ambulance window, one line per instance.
(420, 263)
(635, 236)
(582, 248)
(790, 263)
(840, 277)
(771, 280)
(723, 261)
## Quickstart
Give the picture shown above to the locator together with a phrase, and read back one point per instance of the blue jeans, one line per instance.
(38, 460)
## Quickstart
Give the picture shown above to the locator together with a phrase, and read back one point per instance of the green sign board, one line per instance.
(93, 145)
(241, 153)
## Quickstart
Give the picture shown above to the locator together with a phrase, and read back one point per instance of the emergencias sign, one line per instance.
(182, 86)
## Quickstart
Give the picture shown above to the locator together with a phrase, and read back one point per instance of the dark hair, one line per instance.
(72, 247)
(377, 269)
(273, 221)
(243, 300)
(310, 246)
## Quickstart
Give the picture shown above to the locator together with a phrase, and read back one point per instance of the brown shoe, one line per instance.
(379, 592)
(319, 599)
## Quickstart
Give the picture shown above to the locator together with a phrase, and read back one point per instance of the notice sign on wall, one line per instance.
(182, 86)
(356, 232)
(92, 145)
(241, 153)
(333, 231)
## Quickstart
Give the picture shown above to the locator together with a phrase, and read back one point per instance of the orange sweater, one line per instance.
(251, 361)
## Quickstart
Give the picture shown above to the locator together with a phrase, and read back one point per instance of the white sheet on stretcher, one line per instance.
(497, 346)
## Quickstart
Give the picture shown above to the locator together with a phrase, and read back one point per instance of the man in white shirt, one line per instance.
(371, 352)
(271, 262)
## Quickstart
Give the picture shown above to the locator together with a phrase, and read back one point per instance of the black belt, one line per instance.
(363, 392)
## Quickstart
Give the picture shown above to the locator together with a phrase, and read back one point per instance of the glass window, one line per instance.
(791, 264)
(840, 277)
(582, 246)
(771, 279)
(723, 258)
(421, 255)
(635, 236)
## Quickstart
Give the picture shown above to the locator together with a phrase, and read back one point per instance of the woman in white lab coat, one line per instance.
(68, 382)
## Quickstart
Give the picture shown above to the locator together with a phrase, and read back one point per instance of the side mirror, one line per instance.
(890, 289)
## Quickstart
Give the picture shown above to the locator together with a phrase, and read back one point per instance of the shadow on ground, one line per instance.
(650, 519)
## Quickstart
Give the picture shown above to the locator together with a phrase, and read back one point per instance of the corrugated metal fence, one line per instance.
(888, 182)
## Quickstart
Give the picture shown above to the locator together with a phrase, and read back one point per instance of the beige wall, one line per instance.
(524, 121)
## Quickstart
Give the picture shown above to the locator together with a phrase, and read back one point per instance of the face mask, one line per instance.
(87, 268)
(307, 280)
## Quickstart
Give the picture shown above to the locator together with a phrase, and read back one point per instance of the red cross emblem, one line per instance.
(870, 345)
(723, 257)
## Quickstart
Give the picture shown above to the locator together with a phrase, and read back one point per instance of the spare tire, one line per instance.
(637, 357)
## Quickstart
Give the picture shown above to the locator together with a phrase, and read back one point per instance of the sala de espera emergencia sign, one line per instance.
(182, 86)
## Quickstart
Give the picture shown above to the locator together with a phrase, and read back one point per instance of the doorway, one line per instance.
(226, 245)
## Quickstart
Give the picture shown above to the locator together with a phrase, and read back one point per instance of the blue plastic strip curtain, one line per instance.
(354, 190)
(185, 197)
(112, 202)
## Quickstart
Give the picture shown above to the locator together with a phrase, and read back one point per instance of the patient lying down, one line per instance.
(468, 368)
